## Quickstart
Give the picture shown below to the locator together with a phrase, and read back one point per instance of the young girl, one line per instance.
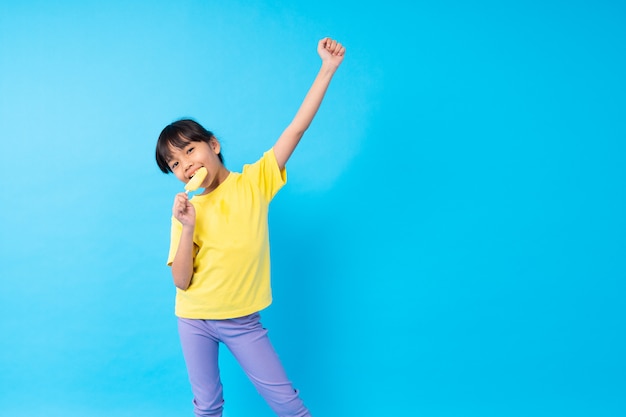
(219, 252)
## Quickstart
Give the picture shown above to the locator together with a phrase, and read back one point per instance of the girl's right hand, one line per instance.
(183, 210)
(331, 51)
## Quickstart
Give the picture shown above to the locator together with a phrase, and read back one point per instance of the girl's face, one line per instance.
(186, 161)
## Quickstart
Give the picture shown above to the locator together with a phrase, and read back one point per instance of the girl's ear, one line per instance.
(215, 145)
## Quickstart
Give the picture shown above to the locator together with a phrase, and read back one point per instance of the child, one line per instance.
(219, 252)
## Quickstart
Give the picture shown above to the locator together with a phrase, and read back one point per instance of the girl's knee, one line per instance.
(288, 404)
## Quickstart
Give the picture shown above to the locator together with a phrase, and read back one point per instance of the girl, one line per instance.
(219, 252)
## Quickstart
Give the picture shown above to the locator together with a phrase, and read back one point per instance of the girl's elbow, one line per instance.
(182, 283)
(181, 286)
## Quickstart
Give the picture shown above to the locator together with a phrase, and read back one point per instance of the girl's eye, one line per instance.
(174, 165)
(189, 150)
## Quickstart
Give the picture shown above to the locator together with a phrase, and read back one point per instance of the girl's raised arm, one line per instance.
(332, 53)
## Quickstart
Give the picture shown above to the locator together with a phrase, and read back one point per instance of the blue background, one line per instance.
(451, 241)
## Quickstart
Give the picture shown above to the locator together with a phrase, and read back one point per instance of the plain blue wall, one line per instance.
(451, 241)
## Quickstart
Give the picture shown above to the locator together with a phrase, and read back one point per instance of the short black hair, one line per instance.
(179, 134)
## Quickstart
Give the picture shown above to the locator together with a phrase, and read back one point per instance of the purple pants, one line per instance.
(246, 338)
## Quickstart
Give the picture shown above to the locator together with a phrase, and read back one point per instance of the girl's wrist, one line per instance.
(328, 65)
(188, 229)
(328, 69)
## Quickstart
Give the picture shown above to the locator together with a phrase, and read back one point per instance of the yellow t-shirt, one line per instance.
(231, 265)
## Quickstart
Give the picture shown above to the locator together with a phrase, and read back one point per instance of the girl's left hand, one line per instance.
(331, 51)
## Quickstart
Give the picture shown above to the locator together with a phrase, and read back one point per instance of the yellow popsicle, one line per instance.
(196, 180)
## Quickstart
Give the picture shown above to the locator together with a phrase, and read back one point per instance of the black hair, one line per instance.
(179, 134)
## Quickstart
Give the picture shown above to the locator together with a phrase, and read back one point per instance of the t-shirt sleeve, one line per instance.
(177, 228)
(266, 175)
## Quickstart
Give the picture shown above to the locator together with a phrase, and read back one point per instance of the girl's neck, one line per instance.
(219, 179)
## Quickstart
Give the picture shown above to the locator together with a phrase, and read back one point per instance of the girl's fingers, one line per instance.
(334, 47)
(339, 49)
(180, 203)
